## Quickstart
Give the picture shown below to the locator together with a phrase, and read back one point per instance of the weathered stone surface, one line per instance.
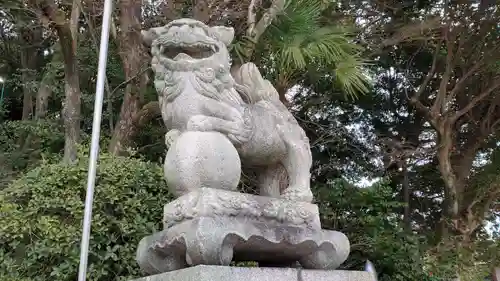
(337, 275)
(215, 227)
(197, 92)
(220, 273)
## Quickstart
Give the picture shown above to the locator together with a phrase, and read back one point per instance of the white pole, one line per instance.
(371, 268)
(96, 131)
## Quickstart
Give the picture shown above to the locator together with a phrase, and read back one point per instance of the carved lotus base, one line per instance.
(207, 230)
(217, 203)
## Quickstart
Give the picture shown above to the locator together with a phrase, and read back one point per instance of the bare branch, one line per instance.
(277, 6)
(486, 124)
(477, 99)
(464, 78)
(75, 15)
(429, 75)
(252, 18)
(414, 31)
(440, 101)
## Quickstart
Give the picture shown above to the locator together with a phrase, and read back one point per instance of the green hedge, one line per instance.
(41, 217)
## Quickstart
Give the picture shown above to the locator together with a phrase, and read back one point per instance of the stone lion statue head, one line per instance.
(189, 52)
(187, 44)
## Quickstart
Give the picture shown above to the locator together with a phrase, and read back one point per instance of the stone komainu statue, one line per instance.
(197, 93)
(218, 123)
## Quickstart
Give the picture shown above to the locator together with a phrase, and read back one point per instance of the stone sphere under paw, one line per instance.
(202, 159)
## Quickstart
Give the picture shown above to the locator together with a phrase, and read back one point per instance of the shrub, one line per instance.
(42, 215)
(24, 143)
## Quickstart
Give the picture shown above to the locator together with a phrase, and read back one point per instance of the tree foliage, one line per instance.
(375, 233)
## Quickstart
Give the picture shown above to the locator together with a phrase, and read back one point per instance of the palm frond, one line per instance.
(299, 17)
(298, 38)
(353, 77)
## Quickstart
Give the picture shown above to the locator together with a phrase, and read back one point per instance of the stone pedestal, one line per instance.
(225, 273)
(215, 227)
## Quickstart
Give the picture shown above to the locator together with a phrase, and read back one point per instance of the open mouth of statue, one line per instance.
(198, 51)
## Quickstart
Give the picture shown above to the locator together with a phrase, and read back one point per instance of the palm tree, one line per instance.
(300, 42)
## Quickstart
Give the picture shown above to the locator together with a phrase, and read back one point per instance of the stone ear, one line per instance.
(148, 36)
(224, 34)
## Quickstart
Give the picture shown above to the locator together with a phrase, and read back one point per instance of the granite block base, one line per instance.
(226, 273)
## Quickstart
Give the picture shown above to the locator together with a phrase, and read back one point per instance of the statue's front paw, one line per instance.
(199, 123)
(297, 194)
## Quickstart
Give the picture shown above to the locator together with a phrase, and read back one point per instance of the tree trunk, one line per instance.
(29, 53)
(71, 109)
(406, 197)
(451, 205)
(201, 11)
(26, 78)
(71, 106)
(72, 101)
(42, 97)
(45, 87)
(73, 23)
(257, 28)
(134, 61)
